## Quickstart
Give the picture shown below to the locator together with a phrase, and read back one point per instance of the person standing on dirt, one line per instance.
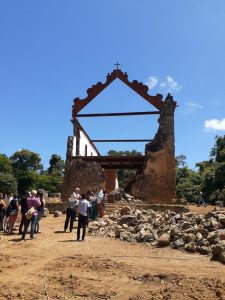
(24, 209)
(70, 213)
(100, 196)
(83, 213)
(32, 202)
(201, 200)
(2, 210)
(76, 196)
(12, 210)
(7, 200)
(40, 210)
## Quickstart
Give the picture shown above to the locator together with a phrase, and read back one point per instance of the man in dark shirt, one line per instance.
(24, 209)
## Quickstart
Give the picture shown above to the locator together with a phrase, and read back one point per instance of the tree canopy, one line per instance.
(209, 178)
(24, 171)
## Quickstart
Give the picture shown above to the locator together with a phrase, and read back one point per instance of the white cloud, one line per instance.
(215, 124)
(170, 85)
(151, 82)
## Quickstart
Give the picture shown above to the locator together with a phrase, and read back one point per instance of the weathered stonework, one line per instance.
(157, 181)
(85, 175)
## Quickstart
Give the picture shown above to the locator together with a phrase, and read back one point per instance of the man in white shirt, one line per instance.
(76, 197)
(70, 214)
(99, 202)
(83, 211)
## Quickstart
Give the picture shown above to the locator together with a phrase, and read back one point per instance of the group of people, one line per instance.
(31, 206)
(89, 206)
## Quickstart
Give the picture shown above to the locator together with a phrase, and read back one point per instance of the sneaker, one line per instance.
(84, 239)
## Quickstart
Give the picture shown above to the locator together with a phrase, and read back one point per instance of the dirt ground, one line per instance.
(54, 266)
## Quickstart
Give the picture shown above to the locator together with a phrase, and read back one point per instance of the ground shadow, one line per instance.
(62, 231)
(67, 241)
(16, 240)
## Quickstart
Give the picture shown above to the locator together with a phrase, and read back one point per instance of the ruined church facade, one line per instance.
(87, 169)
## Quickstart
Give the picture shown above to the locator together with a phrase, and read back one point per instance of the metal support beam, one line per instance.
(119, 114)
(119, 141)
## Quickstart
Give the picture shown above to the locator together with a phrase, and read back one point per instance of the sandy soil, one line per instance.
(54, 266)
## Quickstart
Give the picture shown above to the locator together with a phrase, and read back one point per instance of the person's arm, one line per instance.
(38, 202)
(3, 203)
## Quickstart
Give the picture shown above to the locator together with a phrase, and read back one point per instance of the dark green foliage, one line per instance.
(210, 177)
(26, 165)
(26, 180)
(26, 160)
(56, 165)
(8, 183)
(218, 151)
(5, 164)
(51, 180)
(50, 183)
(188, 184)
(24, 171)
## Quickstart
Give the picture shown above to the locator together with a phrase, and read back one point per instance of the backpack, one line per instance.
(30, 213)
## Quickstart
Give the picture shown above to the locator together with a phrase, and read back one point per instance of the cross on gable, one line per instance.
(117, 65)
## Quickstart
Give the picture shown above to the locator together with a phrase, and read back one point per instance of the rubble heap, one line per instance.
(189, 231)
(119, 195)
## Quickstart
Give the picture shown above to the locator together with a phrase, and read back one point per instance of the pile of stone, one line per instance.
(119, 196)
(130, 199)
(189, 231)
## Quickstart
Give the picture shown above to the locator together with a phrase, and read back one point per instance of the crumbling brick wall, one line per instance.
(157, 181)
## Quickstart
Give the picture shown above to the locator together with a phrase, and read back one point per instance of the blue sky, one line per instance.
(52, 51)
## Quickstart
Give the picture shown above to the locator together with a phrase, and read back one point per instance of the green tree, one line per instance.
(26, 160)
(188, 183)
(8, 183)
(51, 179)
(26, 180)
(50, 183)
(218, 151)
(180, 161)
(26, 166)
(5, 164)
(56, 165)
(213, 171)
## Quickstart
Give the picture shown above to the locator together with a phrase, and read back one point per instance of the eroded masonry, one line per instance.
(85, 167)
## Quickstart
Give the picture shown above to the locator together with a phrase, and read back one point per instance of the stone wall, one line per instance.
(157, 181)
(85, 175)
(56, 206)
